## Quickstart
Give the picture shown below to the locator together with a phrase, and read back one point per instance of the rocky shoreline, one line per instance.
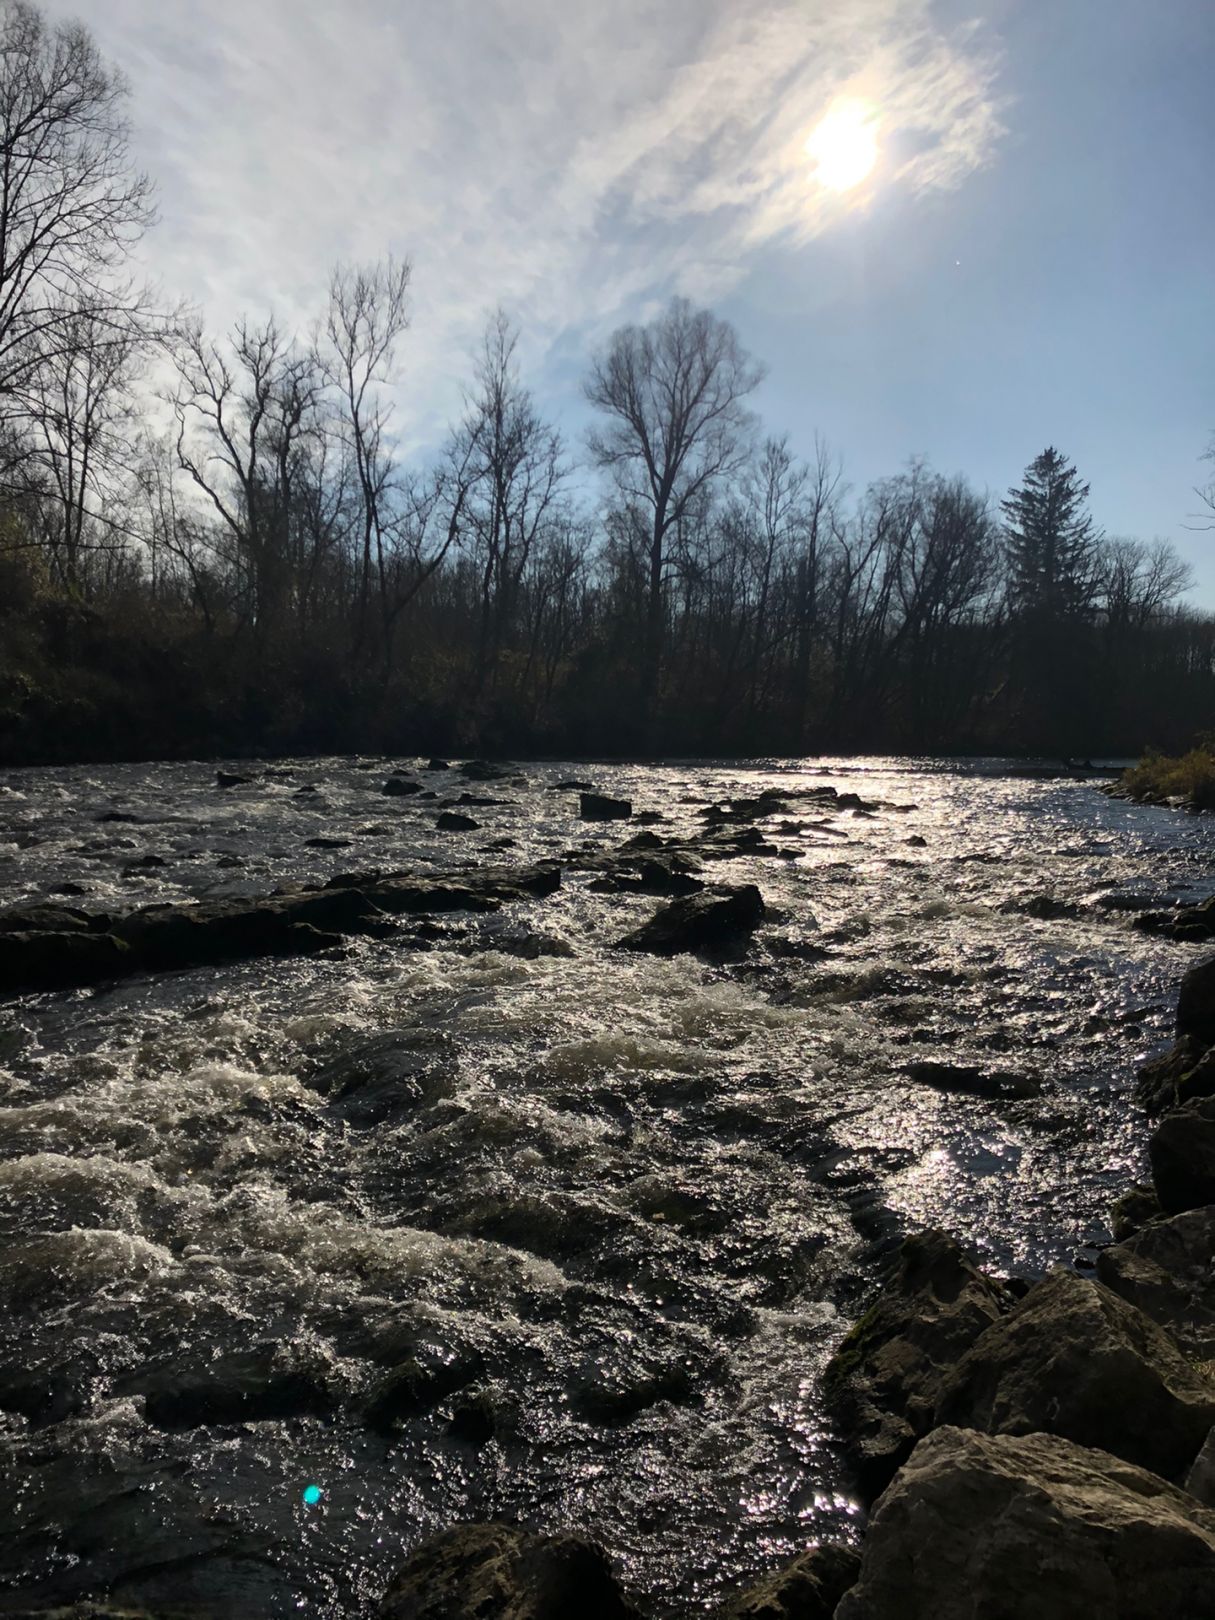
(1020, 1448)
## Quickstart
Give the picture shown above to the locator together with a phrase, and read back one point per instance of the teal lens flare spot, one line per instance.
(312, 1495)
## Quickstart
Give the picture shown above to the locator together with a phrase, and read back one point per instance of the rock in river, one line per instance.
(453, 821)
(700, 922)
(1074, 1359)
(503, 1572)
(982, 1527)
(599, 807)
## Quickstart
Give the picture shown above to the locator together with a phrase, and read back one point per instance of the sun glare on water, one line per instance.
(844, 145)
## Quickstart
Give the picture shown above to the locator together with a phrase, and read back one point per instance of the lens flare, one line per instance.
(312, 1495)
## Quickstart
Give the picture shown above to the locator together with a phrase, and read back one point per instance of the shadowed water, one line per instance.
(632, 1202)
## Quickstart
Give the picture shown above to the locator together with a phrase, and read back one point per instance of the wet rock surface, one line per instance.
(1167, 1270)
(1076, 1360)
(1181, 1151)
(1006, 1527)
(808, 1588)
(884, 1381)
(499, 1572)
(708, 922)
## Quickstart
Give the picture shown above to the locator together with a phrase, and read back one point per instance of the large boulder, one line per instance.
(883, 1382)
(1182, 1155)
(1167, 1270)
(806, 1589)
(1196, 1002)
(501, 1572)
(1000, 1527)
(1074, 1359)
(401, 787)
(700, 922)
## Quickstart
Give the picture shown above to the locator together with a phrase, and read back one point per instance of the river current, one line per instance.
(633, 1202)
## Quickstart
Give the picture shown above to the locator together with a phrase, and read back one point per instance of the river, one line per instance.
(632, 1202)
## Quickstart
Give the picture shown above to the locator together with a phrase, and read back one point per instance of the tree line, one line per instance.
(211, 543)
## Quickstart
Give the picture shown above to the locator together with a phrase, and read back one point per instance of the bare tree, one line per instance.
(1139, 582)
(368, 313)
(243, 417)
(81, 423)
(673, 394)
(518, 472)
(71, 205)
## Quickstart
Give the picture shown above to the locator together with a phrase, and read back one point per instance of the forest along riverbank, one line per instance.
(401, 1153)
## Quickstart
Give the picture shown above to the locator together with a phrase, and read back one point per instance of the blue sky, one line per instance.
(1031, 262)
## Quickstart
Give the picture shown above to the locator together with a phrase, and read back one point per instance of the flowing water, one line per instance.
(636, 1201)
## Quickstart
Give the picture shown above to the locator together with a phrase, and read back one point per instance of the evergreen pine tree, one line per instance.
(1051, 541)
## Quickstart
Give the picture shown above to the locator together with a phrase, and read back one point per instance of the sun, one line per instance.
(844, 145)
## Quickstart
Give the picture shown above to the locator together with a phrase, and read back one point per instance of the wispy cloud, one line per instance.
(571, 160)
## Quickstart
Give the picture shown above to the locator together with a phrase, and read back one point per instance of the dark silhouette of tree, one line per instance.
(1053, 582)
(672, 393)
(1051, 541)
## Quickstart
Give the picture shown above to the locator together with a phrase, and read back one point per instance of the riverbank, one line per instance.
(1186, 782)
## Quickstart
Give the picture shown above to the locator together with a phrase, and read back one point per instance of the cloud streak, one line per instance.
(573, 162)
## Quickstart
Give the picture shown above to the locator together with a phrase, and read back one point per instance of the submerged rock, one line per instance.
(417, 1384)
(503, 1572)
(268, 1382)
(700, 922)
(970, 1081)
(883, 1382)
(809, 1588)
(1167, 1270)
(392, 1073)
(453, 821)
(231, 779)
(1076, 1360)
(599, 807)
(1182, 1155)
(1008, 1527)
